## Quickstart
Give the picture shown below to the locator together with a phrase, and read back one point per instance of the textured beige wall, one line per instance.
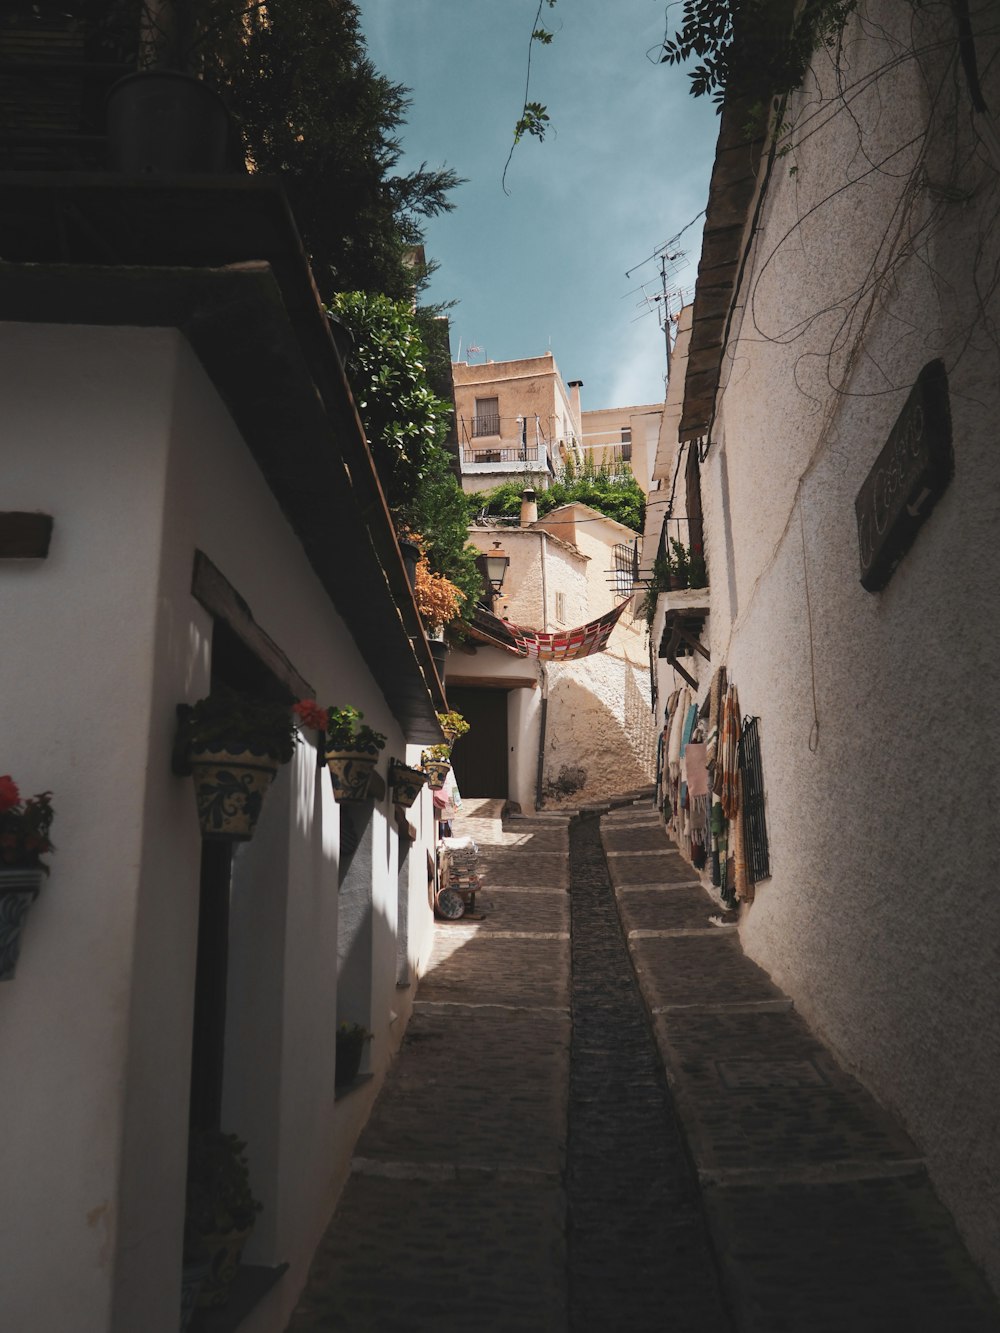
(879, 712)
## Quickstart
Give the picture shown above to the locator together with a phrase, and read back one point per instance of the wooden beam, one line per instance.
(217, 595)
(24, 536)
(493, 682)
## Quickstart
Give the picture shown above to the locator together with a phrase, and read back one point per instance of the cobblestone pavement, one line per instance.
(819, 1206)
(639, 1252)
(683, 1155)
(454, 1216)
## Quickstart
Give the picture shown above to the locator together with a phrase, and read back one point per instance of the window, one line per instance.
(561, 607)
(626, 569)
(626, 453)
(487, 418)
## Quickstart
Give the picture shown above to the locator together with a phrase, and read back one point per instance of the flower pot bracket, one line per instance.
(19, 886)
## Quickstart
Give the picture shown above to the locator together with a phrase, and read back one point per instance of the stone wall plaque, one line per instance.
(907, 479)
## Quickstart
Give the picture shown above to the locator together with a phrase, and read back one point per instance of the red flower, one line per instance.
(9, 794)
(311, 714)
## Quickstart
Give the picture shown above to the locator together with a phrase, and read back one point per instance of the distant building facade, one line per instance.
(516, 421)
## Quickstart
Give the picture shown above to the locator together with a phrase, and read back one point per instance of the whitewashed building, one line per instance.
(839, 416)
(547, 730)
(183, 420)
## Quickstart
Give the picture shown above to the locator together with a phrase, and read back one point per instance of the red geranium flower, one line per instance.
(311, 714)
(9, 794)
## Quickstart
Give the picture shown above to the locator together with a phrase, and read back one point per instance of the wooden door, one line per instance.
(480, 757)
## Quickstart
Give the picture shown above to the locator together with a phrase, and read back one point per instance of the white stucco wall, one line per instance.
(75, 672)
(876, 709)
(140, 463)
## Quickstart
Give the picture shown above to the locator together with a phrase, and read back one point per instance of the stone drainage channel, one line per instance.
(638, 1247)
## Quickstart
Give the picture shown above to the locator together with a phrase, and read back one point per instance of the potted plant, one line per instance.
(352, 747)
(439, 602)
(659, 582)
(220, 1210)
(164, 118)
(453, 725)
(436, 762)
(680, 565)
(24, 840)
(351, 1039)
(232, 745)
(405, 782)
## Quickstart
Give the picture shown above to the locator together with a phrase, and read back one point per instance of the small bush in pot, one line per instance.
(352, 747)
(453, 725)
(351, 1039)
(220, 1211)
(24, 840)
(230, 719)
(232, 744)
(436, 762)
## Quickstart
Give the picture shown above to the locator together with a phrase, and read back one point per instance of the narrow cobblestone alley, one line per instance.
(638, 1244)
(560, 1148)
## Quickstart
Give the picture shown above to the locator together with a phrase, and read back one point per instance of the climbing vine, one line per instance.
(766, 44)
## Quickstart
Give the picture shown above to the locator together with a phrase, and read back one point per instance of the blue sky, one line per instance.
(624, 167)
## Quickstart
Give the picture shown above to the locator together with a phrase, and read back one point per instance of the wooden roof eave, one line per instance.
(732, 191)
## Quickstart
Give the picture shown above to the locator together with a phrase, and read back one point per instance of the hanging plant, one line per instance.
(232, 744)
(352, 747)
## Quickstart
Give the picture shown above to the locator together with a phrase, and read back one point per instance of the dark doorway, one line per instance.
(234, 665)
(480, 757)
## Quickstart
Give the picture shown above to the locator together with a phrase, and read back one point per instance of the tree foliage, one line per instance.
(766, 44)
(406, 424)
(313, 110)
(614, 494)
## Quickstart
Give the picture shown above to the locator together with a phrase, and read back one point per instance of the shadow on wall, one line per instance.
(592, 750)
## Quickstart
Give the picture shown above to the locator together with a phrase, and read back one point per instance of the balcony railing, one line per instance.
(486, 425)
(514, 455)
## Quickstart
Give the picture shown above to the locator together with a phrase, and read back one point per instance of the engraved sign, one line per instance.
(908, 477)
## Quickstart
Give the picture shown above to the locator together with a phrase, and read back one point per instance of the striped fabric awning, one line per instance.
(564, 646)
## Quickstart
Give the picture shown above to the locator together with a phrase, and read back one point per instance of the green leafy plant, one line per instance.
(681, 564)
(659, 582)
(343, 727)
(764, 44)
(440, 754)
(24, 827)
(453, 722)
(219, 1198)
(616, 495)
(348, 1032)
(230, 718)
(406, 423)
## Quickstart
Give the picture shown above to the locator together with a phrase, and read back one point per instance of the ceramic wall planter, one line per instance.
(350, 773)
(220, 1254)
(19, 887)
(193, 1277)
(230, 782)
(437, 771)
(350, 1051)
(406, 783)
